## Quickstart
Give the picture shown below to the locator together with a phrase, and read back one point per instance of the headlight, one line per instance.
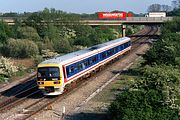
(57, 82)
(40, 83)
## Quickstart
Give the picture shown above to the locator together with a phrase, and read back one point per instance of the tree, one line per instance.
(154, 8)
(5, 32)
(166, 8)
(162, 53)
(11, 14)
(175, 12)
(141, 105)
(62, 45)
(27, 32)
(83, 41)
(152, 97)
(20, 48)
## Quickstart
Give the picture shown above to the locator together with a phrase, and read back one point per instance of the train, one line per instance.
(55, 74)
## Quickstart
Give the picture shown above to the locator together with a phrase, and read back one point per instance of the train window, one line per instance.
(86, 63)
(126, 45)
(83, 66)
(103, 55)
(48, 72)
(129, 43)
(122, 46)
(112, 51)
(108, 52)
(94, 59)
(54, 72)
(80, 66)
(116, 49)
(72, 69)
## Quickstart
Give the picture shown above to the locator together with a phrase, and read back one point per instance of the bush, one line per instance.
(48, 54)
(20, 48)
(165, 51)
(5, 32)
(28, 33)
(141, 105)
(62, 46)
(7, 68)
(37, 59)
(151, 97)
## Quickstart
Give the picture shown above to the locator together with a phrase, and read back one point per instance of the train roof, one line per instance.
(60, 59)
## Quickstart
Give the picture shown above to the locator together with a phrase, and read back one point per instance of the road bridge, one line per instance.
(112, 22)
(129, 20)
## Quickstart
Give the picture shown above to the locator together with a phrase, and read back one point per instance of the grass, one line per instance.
(108, 94)
(3, 78)
(178, 100)
(121, 83)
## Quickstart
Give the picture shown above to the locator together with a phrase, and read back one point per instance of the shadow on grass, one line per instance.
(130, 72)
(87, 116)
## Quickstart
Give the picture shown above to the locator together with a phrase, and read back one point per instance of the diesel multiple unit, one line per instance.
(54, 74)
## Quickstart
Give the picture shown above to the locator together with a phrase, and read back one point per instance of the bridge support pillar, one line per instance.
(123, 30)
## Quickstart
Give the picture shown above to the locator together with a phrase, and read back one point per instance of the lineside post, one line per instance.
(63, 112)
(123, 30)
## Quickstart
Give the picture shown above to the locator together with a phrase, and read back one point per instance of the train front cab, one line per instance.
(50, 79)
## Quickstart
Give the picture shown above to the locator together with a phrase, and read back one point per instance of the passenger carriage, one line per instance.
(54, 74)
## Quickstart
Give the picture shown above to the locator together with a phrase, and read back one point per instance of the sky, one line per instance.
(79, 6)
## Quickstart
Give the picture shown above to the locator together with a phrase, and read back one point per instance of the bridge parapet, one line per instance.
(149, 19)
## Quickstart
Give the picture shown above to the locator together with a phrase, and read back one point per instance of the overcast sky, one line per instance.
(79, 6)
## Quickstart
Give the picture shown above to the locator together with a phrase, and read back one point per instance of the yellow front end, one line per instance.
(50, 79)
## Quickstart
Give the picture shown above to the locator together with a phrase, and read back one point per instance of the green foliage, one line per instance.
(37, 59)
(7, 68)
(53, 33)
(27, 33)
(83, 41)
(11, 14)
(48, 54)
(5, 32)
(151, 98)
(166, 50)
(161, 53)
(129, 30)
(104, 34)
(175, 12)
(46, 44)
(171, 26)
(87, 36)
(141, 105)
(20, 48)
(164, 79)
(62, 45)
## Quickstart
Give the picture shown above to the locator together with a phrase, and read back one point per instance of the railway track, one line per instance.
(43, 102)
(18, 98)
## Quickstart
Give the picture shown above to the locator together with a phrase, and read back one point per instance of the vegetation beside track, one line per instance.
(154, 95)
